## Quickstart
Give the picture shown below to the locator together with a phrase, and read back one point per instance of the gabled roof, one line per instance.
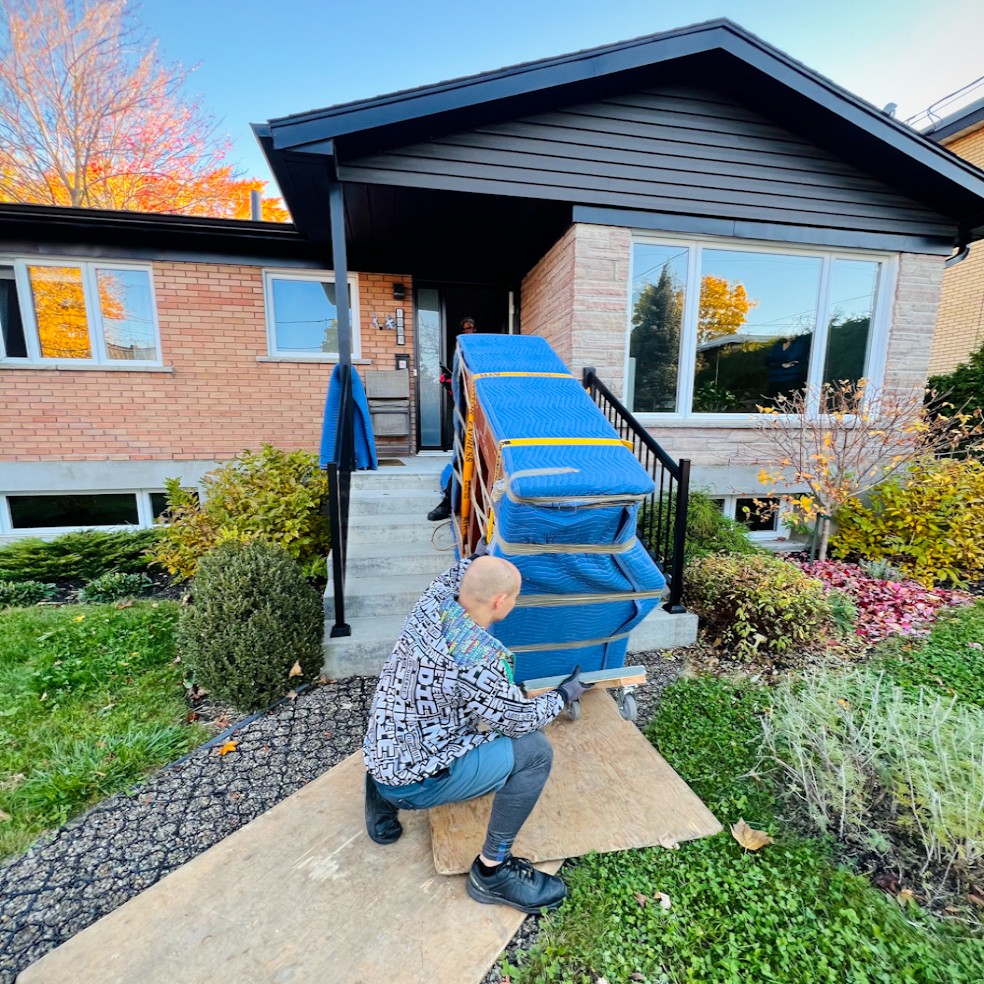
(793, 94)
(958, 124)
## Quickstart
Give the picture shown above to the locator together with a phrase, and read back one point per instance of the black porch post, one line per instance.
(336, 208)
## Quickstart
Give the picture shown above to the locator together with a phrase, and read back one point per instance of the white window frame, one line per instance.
(93, 312)
(145, 512)
(321, 277)
(877, 340)
(729, 509)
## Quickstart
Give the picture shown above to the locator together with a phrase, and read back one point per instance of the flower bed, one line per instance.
(885, 607)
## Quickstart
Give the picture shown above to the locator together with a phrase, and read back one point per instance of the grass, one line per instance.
(786, 913)
(93, 702)
(949, 660)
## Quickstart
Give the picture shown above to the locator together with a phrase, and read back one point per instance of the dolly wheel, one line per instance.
(628, 708)
(574, 711)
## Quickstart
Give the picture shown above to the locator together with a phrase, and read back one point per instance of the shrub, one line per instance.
(77, 556)
(22, 594)
(710, 531)
(253, 616)
(114, 586)
(927, 524)
(964, 387)
(757, 604)
(270, 495)
(872, 762)
(885, 607)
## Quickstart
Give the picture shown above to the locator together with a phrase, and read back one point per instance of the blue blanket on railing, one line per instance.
(365, 443)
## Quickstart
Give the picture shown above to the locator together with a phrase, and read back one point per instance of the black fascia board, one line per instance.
(228, 237)
(399, 117)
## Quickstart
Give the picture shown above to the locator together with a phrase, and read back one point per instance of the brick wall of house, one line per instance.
(960, 327)
(547, 297)
(220, 392)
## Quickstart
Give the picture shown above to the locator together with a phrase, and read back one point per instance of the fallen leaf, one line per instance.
(843, 703)
(669, 843)
(663, 899)
(296, 670)
(229, 746)
(751, 840)
(125, 603)
(887, 881)
(643, 900)
(291, 695)
(905, 896)
(79, 618)
(4, 816)
(976, 899)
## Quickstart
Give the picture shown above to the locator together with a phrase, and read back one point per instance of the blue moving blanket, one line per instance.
(365, 442)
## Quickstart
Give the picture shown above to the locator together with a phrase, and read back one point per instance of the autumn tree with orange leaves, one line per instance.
(90, 117)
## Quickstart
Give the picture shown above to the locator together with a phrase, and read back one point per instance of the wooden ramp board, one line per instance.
(299, 895)
(609, 790)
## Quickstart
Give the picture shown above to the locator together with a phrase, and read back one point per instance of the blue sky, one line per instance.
(258, 60)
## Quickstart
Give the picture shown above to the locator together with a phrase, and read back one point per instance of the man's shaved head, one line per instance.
(486, 579)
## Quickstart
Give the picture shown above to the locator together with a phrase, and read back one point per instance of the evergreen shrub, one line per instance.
(270, 495)
(757, 604)
(710, 531)
(253, 616)
(927, 524)
(113, 586)
(81, 556)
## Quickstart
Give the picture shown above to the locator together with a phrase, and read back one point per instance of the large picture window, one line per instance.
(302, 316)
(77, 312)
(722, 330)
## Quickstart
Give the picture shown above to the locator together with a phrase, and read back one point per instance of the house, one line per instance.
(960, 328)
(633, 204)
(141, 347)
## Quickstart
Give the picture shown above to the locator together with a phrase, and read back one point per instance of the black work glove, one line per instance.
(572, 687)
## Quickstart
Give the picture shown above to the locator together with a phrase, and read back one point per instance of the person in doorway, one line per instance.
(443, 509)
(786, 362)
(449, 724)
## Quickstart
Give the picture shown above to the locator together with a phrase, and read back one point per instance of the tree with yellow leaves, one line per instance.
(724, 307)
(91, 118)
(864, 436)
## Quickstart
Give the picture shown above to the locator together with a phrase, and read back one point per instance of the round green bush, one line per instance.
(757, 604)
(113, 586)
(252, 618)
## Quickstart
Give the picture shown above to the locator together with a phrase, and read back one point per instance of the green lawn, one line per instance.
(92, 702)
(786, 913)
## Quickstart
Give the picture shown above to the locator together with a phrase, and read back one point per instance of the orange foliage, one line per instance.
(723, 308)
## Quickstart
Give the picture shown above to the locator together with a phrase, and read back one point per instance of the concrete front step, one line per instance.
(394, 594)
(398, 479)
(383, 559)
(372, 640)
(396, 528)
(383, 502)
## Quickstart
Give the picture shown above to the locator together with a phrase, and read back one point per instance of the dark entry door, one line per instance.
(440, 310)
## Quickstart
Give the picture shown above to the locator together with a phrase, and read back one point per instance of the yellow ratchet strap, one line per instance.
(542, 375)
(573, 442)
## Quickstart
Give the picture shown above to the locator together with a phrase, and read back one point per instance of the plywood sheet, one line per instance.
(300, 894)
(609, 790)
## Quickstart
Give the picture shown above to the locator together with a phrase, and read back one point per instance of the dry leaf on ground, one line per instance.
(641, 899)
(4, 816)
(229, 746)
(751, 840)
(296, 670)
(663, 899)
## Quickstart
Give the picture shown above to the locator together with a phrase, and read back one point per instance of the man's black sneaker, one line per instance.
(441, 511)
(381, 822)
(517, 883)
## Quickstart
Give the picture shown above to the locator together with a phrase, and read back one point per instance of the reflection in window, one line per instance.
(659, 280)
(852, 301)
(759, 515)
(127, 314)
(72, 510)
(757, 316)
(59, 312)
(305, 317)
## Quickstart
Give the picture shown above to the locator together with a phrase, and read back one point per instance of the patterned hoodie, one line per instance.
(446, 678)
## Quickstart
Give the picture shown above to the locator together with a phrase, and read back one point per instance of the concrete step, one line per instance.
(372, 640)
(397, 528)
(394, 594)
(385, 502)
(383, 559)
(410, 481)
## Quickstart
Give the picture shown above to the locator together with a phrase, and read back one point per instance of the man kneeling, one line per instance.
(448, 724)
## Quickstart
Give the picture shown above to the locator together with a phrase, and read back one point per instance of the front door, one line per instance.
(440, 309)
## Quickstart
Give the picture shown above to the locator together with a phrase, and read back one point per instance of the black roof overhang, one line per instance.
(180, 235)
(302, 148)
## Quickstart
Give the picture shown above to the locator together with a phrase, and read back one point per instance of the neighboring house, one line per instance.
(680, 211)
(960, 328)
(141, 347)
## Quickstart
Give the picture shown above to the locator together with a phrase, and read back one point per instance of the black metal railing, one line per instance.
(339, 470)
(662, 524)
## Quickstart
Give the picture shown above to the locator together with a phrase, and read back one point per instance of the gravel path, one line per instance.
(84, 870)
